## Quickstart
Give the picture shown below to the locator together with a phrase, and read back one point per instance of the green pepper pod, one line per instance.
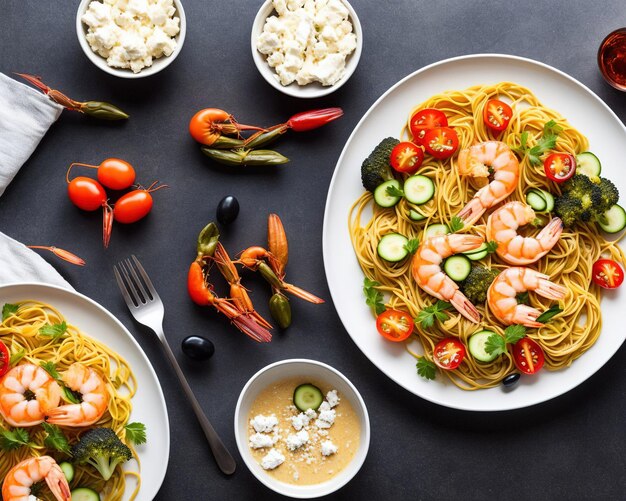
(264, 157)
(102, 110)
(245, 157)
(227, 143)
(207, 240)
(280, 310)
(264, 138)
(269, 275)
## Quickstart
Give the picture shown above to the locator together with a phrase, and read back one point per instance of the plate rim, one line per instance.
(325, 225)
(71, 292)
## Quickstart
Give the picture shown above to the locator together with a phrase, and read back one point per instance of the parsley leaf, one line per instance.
(546, 142)
(496, 344)
(492, 245)
(17, 356)
(56, 439)
(55, 331)
(9, 309)
(394, 191)
(373, 297)
(51, 368)
(412, 245)
(136, 433)
(513, 333)
(426, 368)
(549, 313)
(427, 316)
(456, 224)
(71, 396)
(13, 439)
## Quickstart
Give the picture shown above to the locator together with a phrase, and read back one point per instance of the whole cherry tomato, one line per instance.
(424, 120)
(441, 142)
(135, 205)
(406, 157)
(395, 325)
(86, 193)
(497, 115)
(449, 353)
(607, 273)
(528, 356)
(559, 167)
(116, 174)
(4, 359)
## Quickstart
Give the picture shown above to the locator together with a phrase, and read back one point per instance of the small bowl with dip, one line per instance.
(302, 452)
(115, 37)
(326, 66)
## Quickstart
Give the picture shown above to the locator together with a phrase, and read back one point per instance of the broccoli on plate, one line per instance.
(477, 283)
(585, 199)
(102, 449)
(375, 168)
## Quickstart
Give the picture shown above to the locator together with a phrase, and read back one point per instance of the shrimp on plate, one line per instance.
(515, 249)
(27, 394)
(18, 482)
(502, 301)
(94, 395)
(427, 272)
(478, 161)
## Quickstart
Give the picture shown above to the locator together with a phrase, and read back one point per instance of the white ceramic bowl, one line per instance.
(313, 89)
(300, 368)
(157, 64)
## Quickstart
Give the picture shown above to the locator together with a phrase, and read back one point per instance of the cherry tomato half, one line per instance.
(497, 115)
(441, 142)
(424, 120)
(394, 325)
(116, 174)
(133, 206)
(86, 193)
(528, 356)
(449, 353)
(406, 157)
(4, 359)
(607, 273)
(559, 167)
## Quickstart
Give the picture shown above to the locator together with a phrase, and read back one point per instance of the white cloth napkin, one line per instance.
(25, 116)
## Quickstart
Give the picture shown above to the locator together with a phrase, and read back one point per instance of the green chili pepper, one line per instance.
(245, 157)
(227, 143)
(280, 310)
(102, 110)
(269, 275)
(264, 138)
(207, 240)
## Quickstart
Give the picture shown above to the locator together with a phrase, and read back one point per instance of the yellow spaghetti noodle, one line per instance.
(20, 333)
(569, 263)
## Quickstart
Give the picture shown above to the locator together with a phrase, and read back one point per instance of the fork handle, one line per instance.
(222, 457)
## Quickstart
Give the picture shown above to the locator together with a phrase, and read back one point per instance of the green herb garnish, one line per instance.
(426, 368)
(496, 344)
(136, 433)
(412, 245)
(373, 297)
(13, 439)
(8, 310)
(54, 331)
(426, 317)
(456, 224)
(549, 313)
(56, 439)
(394, 191)
(51, 368)
(545, 143)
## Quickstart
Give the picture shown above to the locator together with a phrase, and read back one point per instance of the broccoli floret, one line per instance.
(585, 199)
(101, 448)
(477, 282)
(375, 168)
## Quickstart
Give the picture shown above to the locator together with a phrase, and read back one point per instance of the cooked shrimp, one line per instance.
(478, 161)
(502, 301)
(515, 249)
(18, 482)
(428, 274)
(27, 393)
(94, 393)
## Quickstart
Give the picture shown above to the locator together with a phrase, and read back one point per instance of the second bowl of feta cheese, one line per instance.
(306, 48)
(131, 38)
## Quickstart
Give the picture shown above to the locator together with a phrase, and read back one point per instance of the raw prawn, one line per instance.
(502, 301)
(94, 395)
(478, 161)
(27, 394)
(428, 274)
(18, 482)
(515, 249)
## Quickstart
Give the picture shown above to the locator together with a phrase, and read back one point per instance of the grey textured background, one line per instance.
(569, 448)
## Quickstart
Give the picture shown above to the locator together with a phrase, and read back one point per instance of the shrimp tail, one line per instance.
(58, 484)
(471, 212)
(550, 290)
(465, 307)
(526, 315)
(549, 236)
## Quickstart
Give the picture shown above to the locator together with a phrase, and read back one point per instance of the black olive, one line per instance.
(198, 347)
(511, 379)
(227, 210)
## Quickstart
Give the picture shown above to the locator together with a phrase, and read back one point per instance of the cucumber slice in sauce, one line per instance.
(435, 230)
(84, 494)
(392, 247)
(615, 220)
(419, 189)
(536, 200)
(457, 267)
(478, 253)
(416, 216)
(588, 164)
(307, 396)
(384, 199)
(68, 470)
(476, 346)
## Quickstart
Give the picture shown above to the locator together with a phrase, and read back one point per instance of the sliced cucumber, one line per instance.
(615, 220)
(84, 494)
(478, 253)
(307, 396)
(536, 200)
(384, 199)
(588, 164)
(549, 200)
(436, 230)
(416, 216)
(476, 346)
(392, 247)
(457, 267)
(419, 189)
(68, 470)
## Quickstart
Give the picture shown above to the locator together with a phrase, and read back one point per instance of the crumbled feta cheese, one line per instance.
(264, 424)
(328, 448)
(297, 440)
(261, 440)
(272, 460)
(310, 413)
(332, 398)
(300, 421)
(326, 417)
(308, 41)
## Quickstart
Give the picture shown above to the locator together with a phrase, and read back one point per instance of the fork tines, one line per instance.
(136, 291)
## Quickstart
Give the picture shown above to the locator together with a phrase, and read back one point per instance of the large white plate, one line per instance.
(583, 109)
(148, 403)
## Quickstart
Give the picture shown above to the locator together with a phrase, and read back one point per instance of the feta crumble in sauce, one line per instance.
(302, 448)
(131, 33)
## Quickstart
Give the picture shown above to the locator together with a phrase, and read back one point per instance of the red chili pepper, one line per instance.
(196, 286)
(308, 120)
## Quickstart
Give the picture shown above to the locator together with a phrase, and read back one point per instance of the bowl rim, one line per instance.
(293, 89)
(100, 62)
(336, 482)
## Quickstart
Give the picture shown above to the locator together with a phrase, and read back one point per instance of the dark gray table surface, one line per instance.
(568, 448)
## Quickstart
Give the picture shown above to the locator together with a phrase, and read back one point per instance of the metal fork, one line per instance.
(146, 306)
